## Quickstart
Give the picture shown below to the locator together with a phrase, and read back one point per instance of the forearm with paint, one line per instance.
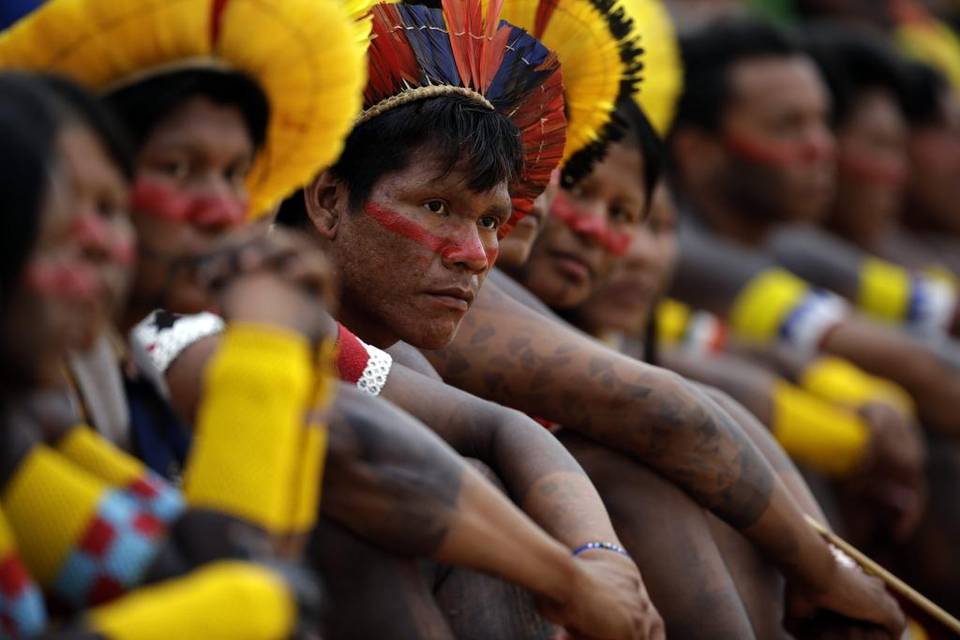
(396, 483)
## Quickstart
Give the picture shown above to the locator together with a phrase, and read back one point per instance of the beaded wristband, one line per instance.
(608, 546)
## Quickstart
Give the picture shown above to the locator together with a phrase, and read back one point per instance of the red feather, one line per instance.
(495, 45)
(455, 15)
(392, 60)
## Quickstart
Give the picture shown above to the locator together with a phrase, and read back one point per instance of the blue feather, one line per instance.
(430, 43)
(516, 78)
(13, 10)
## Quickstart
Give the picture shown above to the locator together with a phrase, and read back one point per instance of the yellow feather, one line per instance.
(662, 65)
(590, 61)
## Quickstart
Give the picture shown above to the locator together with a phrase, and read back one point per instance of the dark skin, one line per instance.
(391, 282)
(546, 369)
(201, 149)
(508, 353)
(398, 283)
(623, 303)
(928, 373)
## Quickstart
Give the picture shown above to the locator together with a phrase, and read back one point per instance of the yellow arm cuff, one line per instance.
(225, 600)
(843, 383)
(672, 318)
(817, 434)
(762, 306)
(250, 427)
(884, 290)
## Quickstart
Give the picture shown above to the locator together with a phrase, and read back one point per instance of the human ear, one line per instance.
(326, 201)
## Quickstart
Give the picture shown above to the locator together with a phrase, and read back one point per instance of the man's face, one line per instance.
(190, 190)
(934, 186)
(589, 228)
(779, 151)
(412, 259)
(872, 166)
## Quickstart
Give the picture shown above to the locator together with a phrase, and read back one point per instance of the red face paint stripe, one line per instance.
(448, 248)
(872, 171)
(777, 154)
(615, 242)
(91, 231)
(68, 280)
(168, 203)
(217, 9)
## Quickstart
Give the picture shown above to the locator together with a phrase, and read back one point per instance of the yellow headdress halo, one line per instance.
(663, 77)
(307, 56)
(598, 47)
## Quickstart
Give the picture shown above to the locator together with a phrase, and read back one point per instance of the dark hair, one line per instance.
(641, 135)
(854, 61)
(34, 109)
(708, 56)
(28, 129)
(455, 128)
(926, 89)
(143, 105)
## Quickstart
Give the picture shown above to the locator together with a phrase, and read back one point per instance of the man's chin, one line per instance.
(432, 335)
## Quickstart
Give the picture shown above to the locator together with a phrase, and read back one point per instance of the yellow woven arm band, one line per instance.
(49, 503)
(776, 307)
(884, 290)
(250, 427)
(222, 601)
(672, 318)
(843, 383)
(817, 434)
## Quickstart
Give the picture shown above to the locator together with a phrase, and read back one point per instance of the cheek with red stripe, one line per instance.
(91, 231)
(594, 226)
(870, 170)
(74, 280)
(780, 155)
(167, 203)
(450, 248)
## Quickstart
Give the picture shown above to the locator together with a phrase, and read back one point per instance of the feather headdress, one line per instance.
(598, 46)
(419, 53)
(663, 81)
(306, 55)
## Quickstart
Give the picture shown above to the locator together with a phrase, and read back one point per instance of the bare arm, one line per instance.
(508, 353)
(932, 379)
(712, 273)
(392, 481)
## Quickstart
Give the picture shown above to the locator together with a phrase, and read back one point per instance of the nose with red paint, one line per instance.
(589, 224)
(203, 211)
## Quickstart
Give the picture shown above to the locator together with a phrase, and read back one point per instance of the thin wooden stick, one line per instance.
(891, 580)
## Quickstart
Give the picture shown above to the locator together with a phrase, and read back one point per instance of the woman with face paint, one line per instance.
(591, 224)
(86, 521)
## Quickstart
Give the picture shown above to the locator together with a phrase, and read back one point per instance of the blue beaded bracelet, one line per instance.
(608, 546)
